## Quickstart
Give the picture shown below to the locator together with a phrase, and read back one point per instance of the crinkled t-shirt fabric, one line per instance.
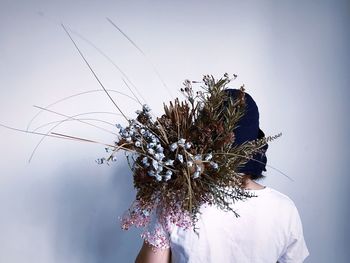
(268, 230)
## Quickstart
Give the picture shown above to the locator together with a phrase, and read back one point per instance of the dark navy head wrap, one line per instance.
(248, 130)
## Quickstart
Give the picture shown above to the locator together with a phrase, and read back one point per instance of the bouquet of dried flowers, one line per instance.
(186, 157)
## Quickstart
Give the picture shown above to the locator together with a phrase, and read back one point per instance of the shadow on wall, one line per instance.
(86, 205)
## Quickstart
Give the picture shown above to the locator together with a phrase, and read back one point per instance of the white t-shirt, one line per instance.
(267, 230)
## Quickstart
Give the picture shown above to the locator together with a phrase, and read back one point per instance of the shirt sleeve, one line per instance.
(296, 250)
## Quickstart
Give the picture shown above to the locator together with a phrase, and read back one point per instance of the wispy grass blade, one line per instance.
(112, 62)
(243, 156)
(145, 56)
(53, 135)
(68, 119)
(61, 135)
(55, 126)
(73, 96)
(93, 72)
(72, 118)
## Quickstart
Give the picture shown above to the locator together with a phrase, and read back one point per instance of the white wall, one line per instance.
(292, 56)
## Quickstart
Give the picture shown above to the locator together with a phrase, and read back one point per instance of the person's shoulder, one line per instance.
(281, 198)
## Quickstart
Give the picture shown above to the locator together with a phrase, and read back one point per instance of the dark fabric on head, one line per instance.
(248, 130)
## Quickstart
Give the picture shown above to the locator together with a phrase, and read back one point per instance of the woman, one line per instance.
(268, 229)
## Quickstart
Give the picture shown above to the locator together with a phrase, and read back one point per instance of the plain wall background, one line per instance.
(292, 56)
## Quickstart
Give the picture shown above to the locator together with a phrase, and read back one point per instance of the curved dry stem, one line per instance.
(145, 56)
(188, 177)
(73, 118)
(70, 97)
(77, 119)
(93, 72)
(112, 62)
(79, 138)
(53, 135)
(50, 130)
(255, 160)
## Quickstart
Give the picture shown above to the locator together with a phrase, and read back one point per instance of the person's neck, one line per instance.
(252, 185)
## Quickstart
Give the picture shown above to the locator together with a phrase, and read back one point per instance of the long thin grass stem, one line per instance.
(68, 119)
(112, 62)
(243, 156)
(53, 135)
(73, 118)
(93, 72)
(144, 54)
(72, 96)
